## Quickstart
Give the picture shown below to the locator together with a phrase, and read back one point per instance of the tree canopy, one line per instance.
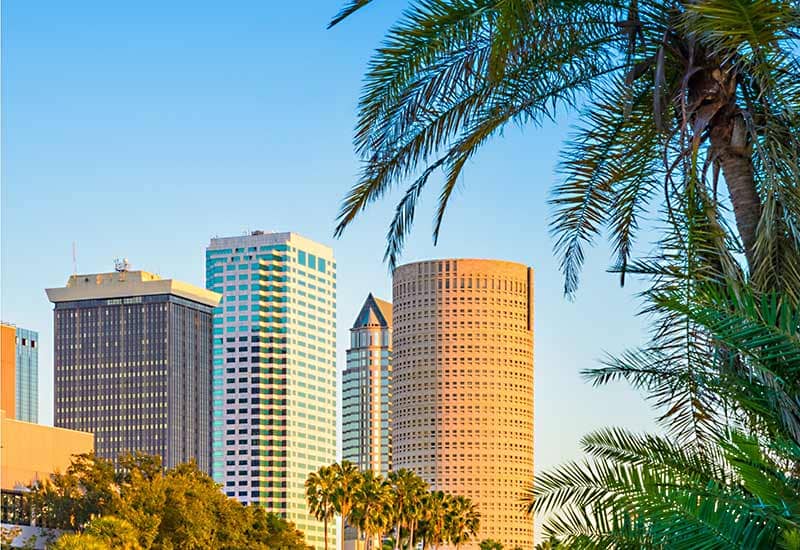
(141, 507)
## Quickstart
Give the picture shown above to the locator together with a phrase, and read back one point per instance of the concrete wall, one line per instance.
(31, 451)
(8, 362)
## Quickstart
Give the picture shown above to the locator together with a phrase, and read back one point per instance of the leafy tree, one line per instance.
(320, 495)
(117, 532)
(142, 507)
(272, 531)
(80, 541)
(7, 536)
(490, 544)
(71, 499)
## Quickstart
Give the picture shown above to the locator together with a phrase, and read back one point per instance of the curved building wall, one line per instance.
(463, 385)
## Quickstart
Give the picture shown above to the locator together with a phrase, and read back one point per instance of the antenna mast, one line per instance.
(74, 258)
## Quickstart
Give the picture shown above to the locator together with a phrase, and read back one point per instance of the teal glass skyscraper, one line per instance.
(27, 375)
(274, 373)
(366, 389)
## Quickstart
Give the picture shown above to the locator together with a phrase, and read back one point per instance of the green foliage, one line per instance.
(80, 541)
(7, 536)
(321, 494)
(400, 503)
(671, 94)
(732, 486)
(552, 543)
(490, 544)
(675, 98)
(142, 507)
(115, 532)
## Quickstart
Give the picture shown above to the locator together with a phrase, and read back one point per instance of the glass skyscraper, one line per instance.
(27, 375)
(366, 389)
(274, 374)
(133, 364)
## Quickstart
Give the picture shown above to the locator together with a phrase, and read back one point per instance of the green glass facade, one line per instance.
(274, 369)
(27, 375)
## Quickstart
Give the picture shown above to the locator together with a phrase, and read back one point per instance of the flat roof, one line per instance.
(123, 284)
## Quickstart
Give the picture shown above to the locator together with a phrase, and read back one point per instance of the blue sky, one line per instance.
(143, 129)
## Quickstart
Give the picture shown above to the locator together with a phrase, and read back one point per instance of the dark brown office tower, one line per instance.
(133, 364)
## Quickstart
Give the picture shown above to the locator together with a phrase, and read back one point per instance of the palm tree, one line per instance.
(435, 508)
(552, 543)
(348, 480)
(671, 92)
(321, 489)
(740, 488)
(462, 520)
(373, 512)
(408, 490)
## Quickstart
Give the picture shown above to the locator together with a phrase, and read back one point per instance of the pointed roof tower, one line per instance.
(374, 312)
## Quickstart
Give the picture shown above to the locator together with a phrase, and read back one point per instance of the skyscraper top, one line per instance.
(266, 238)
(126, 284)
(374, 312)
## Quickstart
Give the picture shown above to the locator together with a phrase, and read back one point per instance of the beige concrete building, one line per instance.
(463, 386)
(31, 452)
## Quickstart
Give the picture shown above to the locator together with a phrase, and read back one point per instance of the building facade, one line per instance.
(274, 377)
(366, 389)
(132, 364)
(30, 453)
(462, 386)
(20, 372)
(8, 369)
(27, 375)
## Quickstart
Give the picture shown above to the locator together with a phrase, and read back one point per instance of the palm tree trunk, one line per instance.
(730, 143)
(344, 515)
(325, 526)
(397, 530)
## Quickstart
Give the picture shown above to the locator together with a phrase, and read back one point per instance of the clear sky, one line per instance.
(142, 129)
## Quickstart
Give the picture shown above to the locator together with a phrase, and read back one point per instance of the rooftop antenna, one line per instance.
(74, 258)
(122, 265)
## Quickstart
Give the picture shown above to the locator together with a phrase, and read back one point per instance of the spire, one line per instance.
(374, 312)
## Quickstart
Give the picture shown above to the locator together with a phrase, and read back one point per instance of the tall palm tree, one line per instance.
(671, 93)
(462, 520)
(373, 512)
(408, 490)
(321, 489)
(435, 508)
(348, 480)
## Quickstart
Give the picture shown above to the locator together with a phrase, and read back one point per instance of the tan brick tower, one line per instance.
(463, 385)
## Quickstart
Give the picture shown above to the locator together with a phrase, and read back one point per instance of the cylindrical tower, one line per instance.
(463, 385)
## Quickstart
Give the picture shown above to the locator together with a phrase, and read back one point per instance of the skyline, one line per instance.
(110, 141)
